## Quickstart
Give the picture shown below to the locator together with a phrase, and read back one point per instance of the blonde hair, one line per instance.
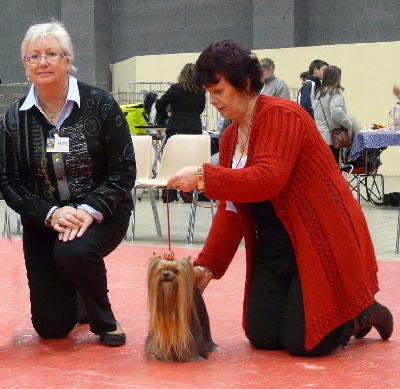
(54, 29)
(186, 78)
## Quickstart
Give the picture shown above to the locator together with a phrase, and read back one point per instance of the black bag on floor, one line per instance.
(392, 199)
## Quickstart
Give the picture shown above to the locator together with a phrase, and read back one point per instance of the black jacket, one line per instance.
(186, 107)
(307, 93)
(99, 170)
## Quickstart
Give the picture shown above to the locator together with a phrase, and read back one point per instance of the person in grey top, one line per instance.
(273, 86)
(330, 108)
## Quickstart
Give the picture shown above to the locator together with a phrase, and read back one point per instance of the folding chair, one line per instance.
(144, 155)
(363, 172)
(180, 151)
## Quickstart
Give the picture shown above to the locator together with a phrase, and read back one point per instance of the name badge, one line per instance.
(57, 144)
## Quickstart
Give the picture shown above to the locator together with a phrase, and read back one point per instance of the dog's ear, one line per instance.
(154, 257)
(188, 259)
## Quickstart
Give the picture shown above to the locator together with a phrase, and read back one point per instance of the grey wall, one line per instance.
(105, 31)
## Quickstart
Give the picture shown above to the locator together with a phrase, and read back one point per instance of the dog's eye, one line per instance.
(175, 271)
(160, 271)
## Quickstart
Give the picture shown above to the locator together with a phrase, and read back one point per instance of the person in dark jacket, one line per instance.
(186, 104)
(67, 167)
(306, 96)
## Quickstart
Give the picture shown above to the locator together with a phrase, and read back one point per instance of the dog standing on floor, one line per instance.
(179, 324)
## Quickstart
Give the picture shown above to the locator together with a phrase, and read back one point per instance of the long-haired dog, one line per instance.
(179, 324)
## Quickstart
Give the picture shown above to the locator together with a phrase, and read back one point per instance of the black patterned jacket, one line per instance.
(99, 170)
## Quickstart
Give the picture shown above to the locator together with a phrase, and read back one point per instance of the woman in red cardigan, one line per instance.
(311, 269)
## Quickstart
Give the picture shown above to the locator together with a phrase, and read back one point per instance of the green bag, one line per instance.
(134, 117)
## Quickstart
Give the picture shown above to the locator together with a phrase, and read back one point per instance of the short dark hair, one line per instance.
(304, 74)
(232, 61)
(317, 63)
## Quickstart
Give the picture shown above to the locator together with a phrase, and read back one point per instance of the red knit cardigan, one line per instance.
(289, 163)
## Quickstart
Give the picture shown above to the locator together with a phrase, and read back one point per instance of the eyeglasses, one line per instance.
(37, 58)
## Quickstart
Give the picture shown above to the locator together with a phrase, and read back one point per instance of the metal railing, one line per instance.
(210, 116)
(9, 93)
(137, 90)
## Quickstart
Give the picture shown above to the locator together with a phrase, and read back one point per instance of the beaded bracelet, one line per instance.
(200, 178)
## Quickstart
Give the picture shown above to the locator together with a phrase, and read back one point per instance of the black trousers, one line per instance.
(336, 154)
(57, 270)
(275, 313)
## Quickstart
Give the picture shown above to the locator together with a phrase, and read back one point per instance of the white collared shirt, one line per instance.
(72, 97)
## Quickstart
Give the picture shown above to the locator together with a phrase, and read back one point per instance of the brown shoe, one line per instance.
(377, 316)
(113, 338)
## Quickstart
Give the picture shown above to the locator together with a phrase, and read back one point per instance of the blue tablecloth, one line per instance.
(373, 140)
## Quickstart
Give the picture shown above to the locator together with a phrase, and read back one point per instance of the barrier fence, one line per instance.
(9, 93)
(137, 90)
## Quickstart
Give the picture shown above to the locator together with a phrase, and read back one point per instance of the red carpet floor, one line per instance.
(79, 361)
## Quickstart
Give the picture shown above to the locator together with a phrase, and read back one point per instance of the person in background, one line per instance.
(396, 91)
(311, 272)
(67, 167)
(304, 76)
(273, 86)
(330, 108)
(303, 79)
(226, 123)
(306, 95)
(186, 103)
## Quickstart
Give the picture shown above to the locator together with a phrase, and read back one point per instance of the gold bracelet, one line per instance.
(200, 178)
(208, 272)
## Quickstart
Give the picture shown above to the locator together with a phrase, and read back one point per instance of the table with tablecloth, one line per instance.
(373, 140)
(369, 145)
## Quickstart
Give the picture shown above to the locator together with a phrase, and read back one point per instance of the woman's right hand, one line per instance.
(201, 280)
(185, 180)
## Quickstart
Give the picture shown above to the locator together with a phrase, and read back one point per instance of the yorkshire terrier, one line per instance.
(179, 324)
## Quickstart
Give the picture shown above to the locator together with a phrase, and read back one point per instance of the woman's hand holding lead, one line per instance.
(185, 180)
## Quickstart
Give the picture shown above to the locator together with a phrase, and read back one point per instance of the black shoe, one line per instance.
(169, 201)
(113, 338)
(377, 316)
